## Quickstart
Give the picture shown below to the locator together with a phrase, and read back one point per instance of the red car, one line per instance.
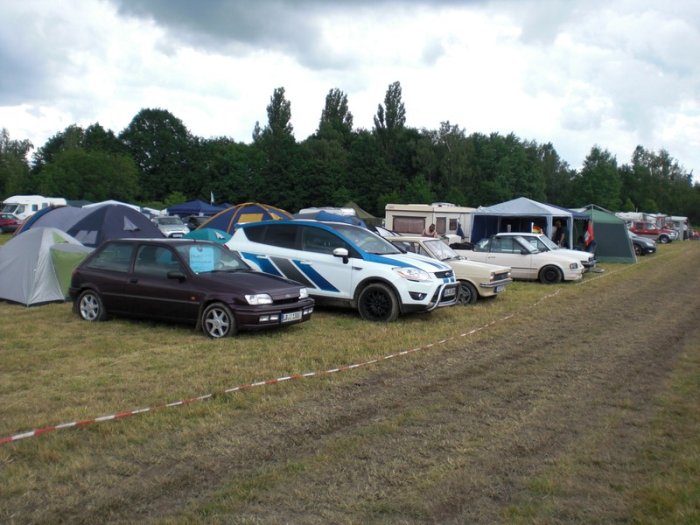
(8, 223)
(651, 231)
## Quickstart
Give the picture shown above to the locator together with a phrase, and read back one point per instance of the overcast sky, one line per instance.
(576, 73)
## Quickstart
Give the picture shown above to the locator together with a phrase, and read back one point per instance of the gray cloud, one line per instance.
(289, 26)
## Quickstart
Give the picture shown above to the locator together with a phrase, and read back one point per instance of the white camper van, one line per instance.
(453, 222)
(22, 206)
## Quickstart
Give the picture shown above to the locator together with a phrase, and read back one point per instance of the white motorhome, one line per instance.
(22, 206)
(414, 218)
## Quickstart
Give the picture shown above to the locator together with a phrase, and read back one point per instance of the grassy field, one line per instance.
(493, 418)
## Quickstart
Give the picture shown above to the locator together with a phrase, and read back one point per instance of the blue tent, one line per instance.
(227, 219)
(209, 234)
(326, 216)
(195, 207)
(91, 226)
(520, 214)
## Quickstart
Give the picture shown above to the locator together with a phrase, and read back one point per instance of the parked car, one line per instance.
(188, 281)
(545, 244)
(651, 231)
(475, 279)
(195, 221)
(642, 245)
(8, 223)
(347, 265)
(526, 261)
(171, 225)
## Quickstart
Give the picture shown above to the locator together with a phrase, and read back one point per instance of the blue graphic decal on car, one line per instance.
(316, 277)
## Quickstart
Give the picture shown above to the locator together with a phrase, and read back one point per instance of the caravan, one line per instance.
(23, 206)
(453, 222)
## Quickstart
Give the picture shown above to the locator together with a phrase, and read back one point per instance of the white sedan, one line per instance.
(475, 279)
(526, 262)
(545, 244)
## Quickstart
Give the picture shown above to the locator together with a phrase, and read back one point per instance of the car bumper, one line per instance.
(424, 301)
(493, 288)
(257, 318)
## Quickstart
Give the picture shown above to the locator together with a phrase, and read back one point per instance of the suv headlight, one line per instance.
(258, 298)
(413, 274)
(303, 293)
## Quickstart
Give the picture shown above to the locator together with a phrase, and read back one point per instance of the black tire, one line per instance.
(218, 321)
(90, 306)
(467, 293)
(664, 239)
(638, 250)
(550, 275)
(378, 303)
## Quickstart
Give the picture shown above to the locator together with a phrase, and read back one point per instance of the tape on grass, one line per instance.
(239, 388)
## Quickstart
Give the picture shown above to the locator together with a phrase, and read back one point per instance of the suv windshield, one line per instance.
(366, 240)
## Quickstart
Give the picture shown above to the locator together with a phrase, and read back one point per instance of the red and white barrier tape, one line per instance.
(248, 386)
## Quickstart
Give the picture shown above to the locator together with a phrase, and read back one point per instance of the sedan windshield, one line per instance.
(441, 250)
(205, 257)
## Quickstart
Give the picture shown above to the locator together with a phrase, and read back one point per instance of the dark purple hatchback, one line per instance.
(184, 280)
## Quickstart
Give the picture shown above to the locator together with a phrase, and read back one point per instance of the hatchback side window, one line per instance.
(155, 261)
(115, 257)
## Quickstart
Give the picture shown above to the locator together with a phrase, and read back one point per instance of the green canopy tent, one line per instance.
(610, 235)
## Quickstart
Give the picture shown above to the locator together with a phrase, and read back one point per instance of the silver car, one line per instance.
(171, 226)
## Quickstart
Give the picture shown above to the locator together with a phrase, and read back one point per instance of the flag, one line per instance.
(588, 236)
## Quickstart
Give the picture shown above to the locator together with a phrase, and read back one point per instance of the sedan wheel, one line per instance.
(550, 275)
(90, 306)
(638, 250)
(218, 321)
(467, 293)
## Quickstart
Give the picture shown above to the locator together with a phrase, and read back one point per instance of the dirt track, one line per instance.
(552, 411)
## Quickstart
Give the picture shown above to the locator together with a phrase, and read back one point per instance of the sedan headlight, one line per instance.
(303, 293)
(413, 274)
(258, 298)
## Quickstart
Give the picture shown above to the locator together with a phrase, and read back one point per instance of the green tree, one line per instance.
(281, 155)
(599, 181)
(336, 119)
(161, 146)
(91, 175)
(14, 167)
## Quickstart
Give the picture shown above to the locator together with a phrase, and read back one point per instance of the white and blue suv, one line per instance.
(347, 265)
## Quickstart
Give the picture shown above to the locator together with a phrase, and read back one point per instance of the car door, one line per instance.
(329, 275)
(153, 294)
(507, 251)
(108, 272)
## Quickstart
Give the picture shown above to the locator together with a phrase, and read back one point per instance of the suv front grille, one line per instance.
(444, 274)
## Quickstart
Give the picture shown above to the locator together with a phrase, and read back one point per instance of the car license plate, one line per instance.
(500, 288)
(449, 292)
(291, 316)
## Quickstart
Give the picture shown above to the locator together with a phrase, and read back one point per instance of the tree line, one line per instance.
(156, 161)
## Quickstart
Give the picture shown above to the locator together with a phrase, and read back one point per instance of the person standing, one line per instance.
(558, 235)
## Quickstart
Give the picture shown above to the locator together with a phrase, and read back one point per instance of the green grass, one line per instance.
(56, 368)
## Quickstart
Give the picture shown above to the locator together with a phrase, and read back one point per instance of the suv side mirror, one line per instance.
(342, 252)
